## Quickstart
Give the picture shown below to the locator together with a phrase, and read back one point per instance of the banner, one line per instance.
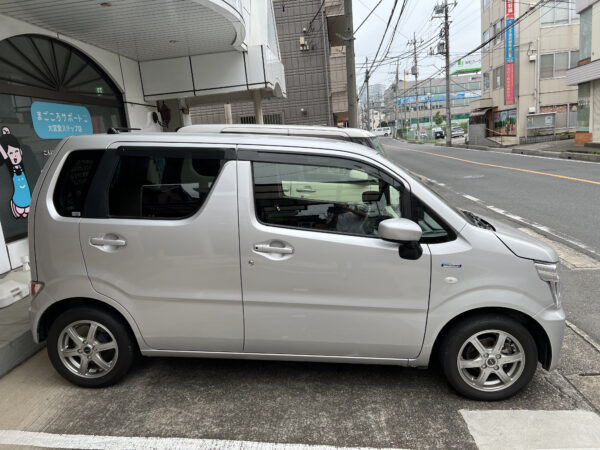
(509, 69)
(509, 88)
(440, 97)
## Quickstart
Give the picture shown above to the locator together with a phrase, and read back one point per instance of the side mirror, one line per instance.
(406, 233)
(400, 230)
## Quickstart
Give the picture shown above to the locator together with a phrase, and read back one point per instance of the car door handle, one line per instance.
(266, 248)
(306, 190)
(102, 241)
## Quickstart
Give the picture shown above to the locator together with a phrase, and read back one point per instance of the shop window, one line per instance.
(554, 13)
(486, 82)
(583, 108)
(585, 35)
(499, 77)
(48, 91)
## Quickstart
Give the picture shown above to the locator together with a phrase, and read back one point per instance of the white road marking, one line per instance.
(519, 219)
(82, 441)
(495, 430)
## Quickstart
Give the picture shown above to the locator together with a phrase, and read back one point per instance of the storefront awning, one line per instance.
(479, 112)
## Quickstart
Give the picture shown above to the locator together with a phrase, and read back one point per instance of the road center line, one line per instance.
(553, 175)
(82, 441)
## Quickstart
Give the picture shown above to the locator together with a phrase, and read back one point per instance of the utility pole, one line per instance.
(415, 72)
(350, 66)
(447, 54)
(404, 103)
(396, 100)
(368, 98)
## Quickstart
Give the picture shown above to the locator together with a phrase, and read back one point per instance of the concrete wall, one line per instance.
(305, 72)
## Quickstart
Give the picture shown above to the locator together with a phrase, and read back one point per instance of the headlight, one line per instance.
(549, 274)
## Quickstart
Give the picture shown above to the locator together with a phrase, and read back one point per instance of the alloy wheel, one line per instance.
(88, 349)
(491, 360)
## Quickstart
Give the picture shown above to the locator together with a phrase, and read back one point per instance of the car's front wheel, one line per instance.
(489, 357)
(90, 347)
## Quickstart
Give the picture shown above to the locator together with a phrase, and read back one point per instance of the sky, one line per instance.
(465, 33)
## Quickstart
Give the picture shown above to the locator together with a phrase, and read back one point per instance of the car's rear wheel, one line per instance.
(90, 347)
(490, 357)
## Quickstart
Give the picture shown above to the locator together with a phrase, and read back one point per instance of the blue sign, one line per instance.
(510, 41)
(440, 97)
(58, 121)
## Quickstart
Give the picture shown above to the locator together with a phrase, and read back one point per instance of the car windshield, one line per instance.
(430, 189)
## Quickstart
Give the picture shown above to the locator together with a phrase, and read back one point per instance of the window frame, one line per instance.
(572, 19)
(407, 198)
(97, 203)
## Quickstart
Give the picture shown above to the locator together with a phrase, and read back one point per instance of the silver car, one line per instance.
(284, 248)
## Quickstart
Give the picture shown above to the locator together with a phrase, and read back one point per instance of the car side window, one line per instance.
(74, 181)
(435, 231)
(329, 198)
(160, 186)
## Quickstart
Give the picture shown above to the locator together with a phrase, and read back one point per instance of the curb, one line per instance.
(589, 157)
(17, 350)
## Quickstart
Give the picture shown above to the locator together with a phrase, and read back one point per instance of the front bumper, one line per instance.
(553, 321)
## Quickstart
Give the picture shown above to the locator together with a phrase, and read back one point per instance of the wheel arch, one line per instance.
(538, 333)
(56, 309)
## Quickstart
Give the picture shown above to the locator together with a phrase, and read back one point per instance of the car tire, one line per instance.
(509, 367)
(91, 347)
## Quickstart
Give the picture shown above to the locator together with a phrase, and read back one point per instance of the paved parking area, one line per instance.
(237, 404)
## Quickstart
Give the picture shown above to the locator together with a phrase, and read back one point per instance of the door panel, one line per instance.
(332, 294)
(180, 279)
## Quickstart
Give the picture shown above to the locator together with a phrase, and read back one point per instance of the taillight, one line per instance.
(36, 287)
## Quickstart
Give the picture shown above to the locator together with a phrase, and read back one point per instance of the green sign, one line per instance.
(99, 90)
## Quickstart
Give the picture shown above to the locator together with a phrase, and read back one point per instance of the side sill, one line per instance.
(279, 357)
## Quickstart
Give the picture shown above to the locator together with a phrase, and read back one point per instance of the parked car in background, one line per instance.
(385, 131)
(355, 135)
(439, 133)
(458, 132)
(282, 248)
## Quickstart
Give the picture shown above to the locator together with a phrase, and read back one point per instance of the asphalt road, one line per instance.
(559, 194)
(567, 207)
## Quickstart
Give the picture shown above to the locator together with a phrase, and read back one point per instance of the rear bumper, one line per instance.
(553, 321)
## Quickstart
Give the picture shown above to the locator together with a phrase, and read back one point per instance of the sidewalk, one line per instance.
(16, 341)
(565, 149)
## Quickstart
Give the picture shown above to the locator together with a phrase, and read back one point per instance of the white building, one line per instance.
(587, 73)
(92, 65)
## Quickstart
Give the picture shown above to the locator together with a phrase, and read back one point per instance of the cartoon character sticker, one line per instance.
(12, 155)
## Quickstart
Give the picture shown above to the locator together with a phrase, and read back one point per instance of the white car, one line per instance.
(384, 131)
(282, 248)
(355, 135)
(458, 132)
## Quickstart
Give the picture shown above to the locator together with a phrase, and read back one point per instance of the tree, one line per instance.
(438, 119)
(383, 124)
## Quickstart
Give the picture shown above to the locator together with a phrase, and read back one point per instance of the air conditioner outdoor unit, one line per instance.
(532, 110)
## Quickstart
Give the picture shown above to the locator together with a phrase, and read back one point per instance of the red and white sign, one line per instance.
(510, 9)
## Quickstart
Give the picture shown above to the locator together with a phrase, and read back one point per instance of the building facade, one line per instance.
(586, 76)
(314, 58)
(88, 67)
(524, 69)
(432, 100)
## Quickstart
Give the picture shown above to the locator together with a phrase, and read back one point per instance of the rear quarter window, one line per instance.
(74, 181)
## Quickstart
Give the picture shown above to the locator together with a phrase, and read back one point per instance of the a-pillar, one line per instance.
(258, 113)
